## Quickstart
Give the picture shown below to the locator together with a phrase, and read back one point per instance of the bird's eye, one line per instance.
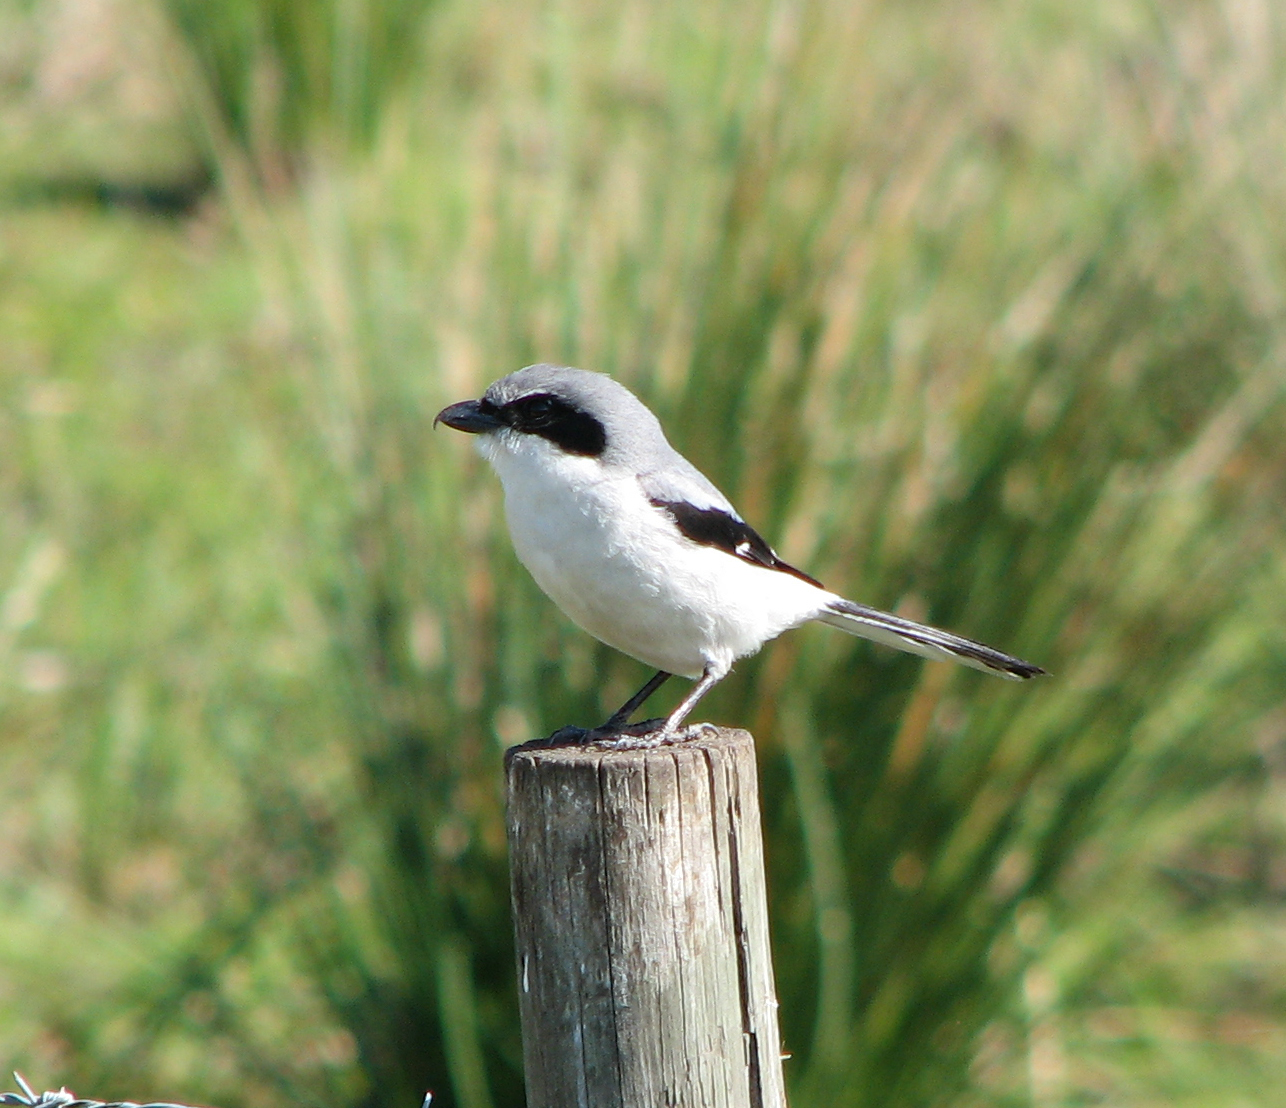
(540, 408)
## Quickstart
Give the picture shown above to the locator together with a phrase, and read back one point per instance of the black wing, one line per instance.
(715, 527)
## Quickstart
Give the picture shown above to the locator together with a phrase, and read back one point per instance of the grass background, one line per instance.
(975, 309)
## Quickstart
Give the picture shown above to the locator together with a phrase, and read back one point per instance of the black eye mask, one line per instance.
(554, 419)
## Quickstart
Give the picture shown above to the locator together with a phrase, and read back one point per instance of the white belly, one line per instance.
(618, 568)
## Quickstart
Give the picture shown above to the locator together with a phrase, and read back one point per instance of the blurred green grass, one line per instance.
(976, 310)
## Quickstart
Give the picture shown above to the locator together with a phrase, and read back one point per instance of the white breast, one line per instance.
(618, 567)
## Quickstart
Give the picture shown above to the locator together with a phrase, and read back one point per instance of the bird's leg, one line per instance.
(622, 714)
(712, 676)
(618, 732)
(618, 723)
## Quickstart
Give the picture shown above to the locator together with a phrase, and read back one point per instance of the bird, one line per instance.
(641, 550)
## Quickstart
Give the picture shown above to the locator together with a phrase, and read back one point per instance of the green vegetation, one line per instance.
(976, 310)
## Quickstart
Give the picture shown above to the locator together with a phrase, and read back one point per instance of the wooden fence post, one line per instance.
(641, 924)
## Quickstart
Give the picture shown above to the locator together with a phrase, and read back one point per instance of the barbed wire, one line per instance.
(65, 1099)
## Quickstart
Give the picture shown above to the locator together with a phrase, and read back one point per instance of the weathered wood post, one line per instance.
(644, 974)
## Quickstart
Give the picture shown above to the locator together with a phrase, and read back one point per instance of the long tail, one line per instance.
(928, 642)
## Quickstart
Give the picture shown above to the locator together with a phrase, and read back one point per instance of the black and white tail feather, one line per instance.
(928, 642)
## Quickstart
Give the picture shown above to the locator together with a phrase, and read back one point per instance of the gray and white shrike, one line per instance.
(639, 549)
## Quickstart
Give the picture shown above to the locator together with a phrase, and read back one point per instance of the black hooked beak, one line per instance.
(472, 416)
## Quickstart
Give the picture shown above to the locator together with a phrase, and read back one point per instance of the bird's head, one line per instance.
(573, 411)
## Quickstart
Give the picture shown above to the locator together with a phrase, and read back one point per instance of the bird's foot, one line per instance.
(565, 736)
(643, 735)
(649, 734)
